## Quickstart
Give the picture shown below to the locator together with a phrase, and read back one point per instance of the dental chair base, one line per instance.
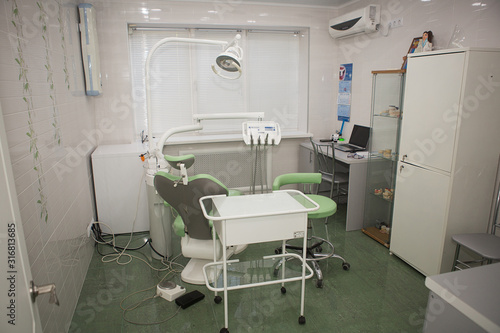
(193, 272)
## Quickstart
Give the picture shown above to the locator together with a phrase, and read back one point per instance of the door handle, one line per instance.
(404, 156)
(45, 289)
(401, 168)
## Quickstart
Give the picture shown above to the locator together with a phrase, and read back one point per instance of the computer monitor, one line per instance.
(359, 136)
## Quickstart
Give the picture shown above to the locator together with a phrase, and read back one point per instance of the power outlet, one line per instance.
(89, 227)
(396, 23)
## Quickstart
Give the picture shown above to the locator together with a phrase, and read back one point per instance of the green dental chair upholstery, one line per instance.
(190, 223)
(196, 232)
(328, 207)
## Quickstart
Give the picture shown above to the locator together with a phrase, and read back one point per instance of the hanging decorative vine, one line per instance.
(43, 19)
(28, 99)
(63, 45)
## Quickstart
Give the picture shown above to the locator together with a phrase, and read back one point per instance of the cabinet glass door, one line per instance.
(383, 147)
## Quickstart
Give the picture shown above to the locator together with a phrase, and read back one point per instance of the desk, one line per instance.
(464, 301)
(357, 181)
(257, 218)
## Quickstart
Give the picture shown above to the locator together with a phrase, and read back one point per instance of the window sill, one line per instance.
(216, 138)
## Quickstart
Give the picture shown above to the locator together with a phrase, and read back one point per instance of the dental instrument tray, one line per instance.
(261, 133)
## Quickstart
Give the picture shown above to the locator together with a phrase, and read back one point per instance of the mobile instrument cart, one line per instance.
(257, 218)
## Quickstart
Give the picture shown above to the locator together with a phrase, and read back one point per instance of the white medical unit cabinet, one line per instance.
(448, 154)
(120, 188)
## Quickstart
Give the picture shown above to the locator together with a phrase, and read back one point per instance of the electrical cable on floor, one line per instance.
(136, 305)
(120, 251)
(116, 256)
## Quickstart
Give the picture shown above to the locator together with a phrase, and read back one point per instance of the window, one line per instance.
(274, 79)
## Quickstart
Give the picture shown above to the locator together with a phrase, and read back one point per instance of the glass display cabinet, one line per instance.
(387, 99)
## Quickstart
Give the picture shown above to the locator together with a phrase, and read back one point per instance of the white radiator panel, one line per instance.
(233, 166)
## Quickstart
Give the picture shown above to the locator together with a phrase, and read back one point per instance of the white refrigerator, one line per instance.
(449, 149)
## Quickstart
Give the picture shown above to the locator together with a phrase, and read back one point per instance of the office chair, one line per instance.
(190, 223)
(327, 168)
(485, 245)
(327, 207)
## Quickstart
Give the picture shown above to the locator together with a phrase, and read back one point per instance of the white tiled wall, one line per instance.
(113, 17)
(42, 94)
(59, 250)
(479, 21)
(382, 50)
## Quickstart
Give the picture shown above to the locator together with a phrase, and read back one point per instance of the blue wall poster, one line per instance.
(344, 94)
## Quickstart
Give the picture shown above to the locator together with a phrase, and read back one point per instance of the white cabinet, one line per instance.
(420, 240)
(307, 160)
(430, 110)
(449, 150)
(120, 189)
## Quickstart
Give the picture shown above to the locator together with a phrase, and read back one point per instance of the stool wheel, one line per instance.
(346, 266)
(302, 320)
(217, 299)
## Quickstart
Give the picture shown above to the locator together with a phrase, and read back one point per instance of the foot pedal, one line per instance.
(189, 299)
(169, 290)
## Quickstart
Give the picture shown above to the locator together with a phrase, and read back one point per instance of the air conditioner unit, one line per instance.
(361, 21)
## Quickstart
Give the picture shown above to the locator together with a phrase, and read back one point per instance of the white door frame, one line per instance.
(18, 312)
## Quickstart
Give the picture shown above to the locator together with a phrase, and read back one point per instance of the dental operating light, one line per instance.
(230, 60)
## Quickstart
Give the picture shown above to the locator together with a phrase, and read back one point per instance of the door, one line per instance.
(19, 313)
(431, 106)
(418, 223)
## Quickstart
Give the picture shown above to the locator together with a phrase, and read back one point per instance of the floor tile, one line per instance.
(380, 293)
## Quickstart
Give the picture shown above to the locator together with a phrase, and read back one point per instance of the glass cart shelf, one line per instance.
(247, 274)
(387, 92)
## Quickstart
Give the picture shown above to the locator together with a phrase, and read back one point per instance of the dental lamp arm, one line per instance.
(158, 151)
(240, 115)
(147, 74)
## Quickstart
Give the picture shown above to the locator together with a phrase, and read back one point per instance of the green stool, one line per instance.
(327, 207)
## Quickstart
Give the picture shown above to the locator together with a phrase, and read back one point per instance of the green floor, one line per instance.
(380, 293)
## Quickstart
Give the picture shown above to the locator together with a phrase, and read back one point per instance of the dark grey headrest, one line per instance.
(184, 199)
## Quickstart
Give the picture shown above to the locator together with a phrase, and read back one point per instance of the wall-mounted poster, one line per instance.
(344, 95)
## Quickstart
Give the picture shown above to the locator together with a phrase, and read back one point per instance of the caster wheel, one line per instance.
(319, 284)
(217, 299)
(319, 249)
(346, 266)
(283, 290)
(302, 320)
(278, 251)
(224, 330)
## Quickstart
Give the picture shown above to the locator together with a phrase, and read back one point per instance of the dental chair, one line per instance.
(190, 223)
(327, 207)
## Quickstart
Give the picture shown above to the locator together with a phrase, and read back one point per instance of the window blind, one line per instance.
(183, 83)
